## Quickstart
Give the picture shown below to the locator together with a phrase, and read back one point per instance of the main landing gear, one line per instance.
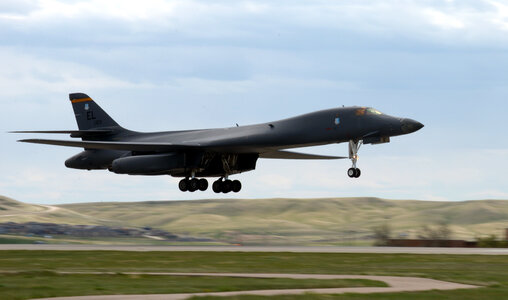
(193, 185)
(226, 186)
(219, 186)
(354, 146)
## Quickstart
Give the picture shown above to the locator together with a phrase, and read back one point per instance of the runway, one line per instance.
(379, 250)
(395, 284)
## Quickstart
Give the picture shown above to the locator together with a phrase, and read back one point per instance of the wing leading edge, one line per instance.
(127, 146)
(166, 147)
(73, 133)
(280, 154)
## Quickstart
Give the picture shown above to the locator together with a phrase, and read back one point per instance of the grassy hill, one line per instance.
(278, 221)
(19, 212)
(304, 221)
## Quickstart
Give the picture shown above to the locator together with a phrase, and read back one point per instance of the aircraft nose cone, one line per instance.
(410, 126)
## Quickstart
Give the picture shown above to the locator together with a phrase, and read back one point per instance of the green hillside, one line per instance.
(19, 212)
(304, 221)
(278, 221)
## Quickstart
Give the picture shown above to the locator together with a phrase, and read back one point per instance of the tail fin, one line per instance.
(89, 115)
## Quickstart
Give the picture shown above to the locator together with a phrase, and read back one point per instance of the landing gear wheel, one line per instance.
(193, 185)
(236, 186)
(217, 186)
(203, 185)
(227, 186)
(183, 185)
(354, 173)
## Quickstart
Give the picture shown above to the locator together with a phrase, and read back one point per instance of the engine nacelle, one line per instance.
(152, 164)
(93, 159)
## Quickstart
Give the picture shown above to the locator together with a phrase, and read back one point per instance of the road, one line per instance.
(49, 209)
(380, 250)
(396, 284)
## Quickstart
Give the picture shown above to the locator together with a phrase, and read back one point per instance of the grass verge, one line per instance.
(488, 271)
(29, 285)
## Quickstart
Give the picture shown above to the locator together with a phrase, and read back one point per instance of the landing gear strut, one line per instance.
(354, 146)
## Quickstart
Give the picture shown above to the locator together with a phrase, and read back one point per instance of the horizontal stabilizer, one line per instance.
(295, 155)
(126, 146)
(73, 133)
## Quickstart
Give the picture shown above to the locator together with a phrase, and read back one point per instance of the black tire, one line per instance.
(193, 185)
(227, 186)
(203, 184)
(236, 186)
(183, 185)
(351, 172)
(358, 173)
(217, 186)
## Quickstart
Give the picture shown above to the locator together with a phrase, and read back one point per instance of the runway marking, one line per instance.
(396, 284)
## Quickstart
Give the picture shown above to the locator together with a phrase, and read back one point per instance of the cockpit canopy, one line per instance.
(367, 111)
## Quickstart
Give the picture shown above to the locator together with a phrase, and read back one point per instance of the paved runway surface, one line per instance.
(385, 250)
(396, 284)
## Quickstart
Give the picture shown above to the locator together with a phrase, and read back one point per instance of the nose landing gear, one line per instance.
(354, 146)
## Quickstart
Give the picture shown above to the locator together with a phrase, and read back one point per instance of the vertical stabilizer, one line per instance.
(89, 115)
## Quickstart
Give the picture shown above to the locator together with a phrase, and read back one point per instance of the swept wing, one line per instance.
(167, 147)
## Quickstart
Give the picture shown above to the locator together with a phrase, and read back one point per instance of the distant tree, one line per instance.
(442, 231)
(491, 242)
(426, 233)
(382, 234)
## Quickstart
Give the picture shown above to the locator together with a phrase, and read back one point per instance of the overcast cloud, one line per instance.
(168, 65)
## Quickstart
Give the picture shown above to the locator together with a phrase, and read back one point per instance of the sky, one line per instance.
(169, 65)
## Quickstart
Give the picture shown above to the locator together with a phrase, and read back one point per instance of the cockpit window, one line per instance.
(372, 111)
(367, 111)
(360, 111)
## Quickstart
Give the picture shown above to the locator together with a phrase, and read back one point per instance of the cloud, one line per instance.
(450, 176)
(56, 185)
(501, 17)
(491, 194)
(23, 74)
(260, 23)
(127, 10)
(225, 87)
(18, 7)
(444, 21)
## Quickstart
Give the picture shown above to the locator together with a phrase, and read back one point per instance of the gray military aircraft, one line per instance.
(194, 154)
